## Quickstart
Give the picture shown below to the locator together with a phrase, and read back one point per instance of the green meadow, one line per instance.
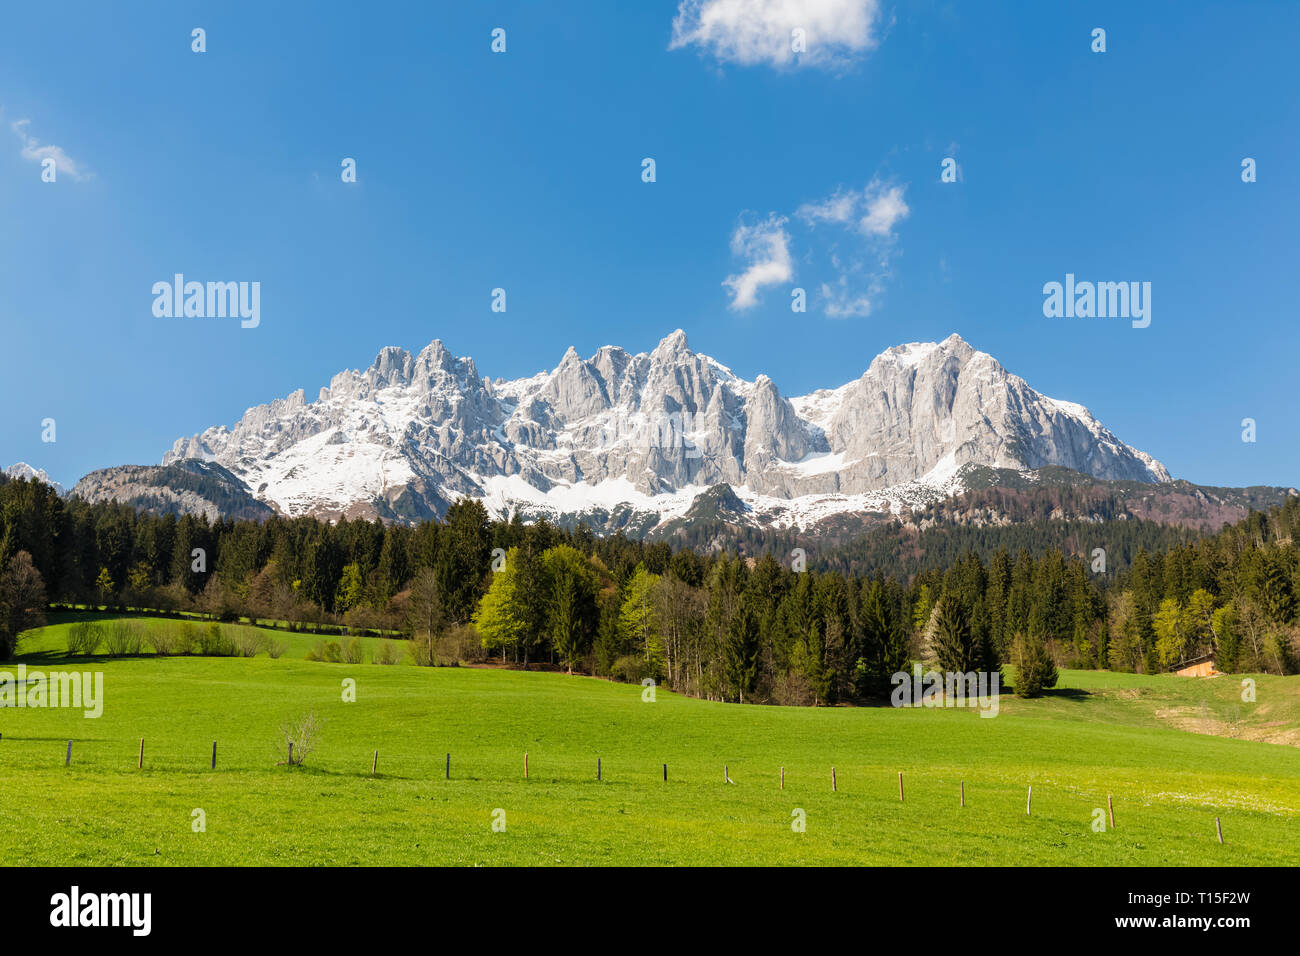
(1172, 753)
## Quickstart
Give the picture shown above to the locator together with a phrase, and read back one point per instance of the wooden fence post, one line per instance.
(1218, 828)
(834, 788)
(68, 759)
(900, 786)
(375, 764)
(291, 753)
(1111, 807)
(448, 766)
(783, 778)
(665, 773)
(139, 764)
(525, 764)
(963, 793)
(214, 755)
(597, 768)
(1029, 801)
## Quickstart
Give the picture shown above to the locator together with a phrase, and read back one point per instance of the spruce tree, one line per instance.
(952, 640)
(1035, 669)
(741, 650)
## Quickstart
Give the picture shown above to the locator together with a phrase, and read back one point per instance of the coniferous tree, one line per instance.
(740, 651)
(1276, 593)
(463, 561)
(1035, 669)
(954, 644)
(574, 614)
(883, 641)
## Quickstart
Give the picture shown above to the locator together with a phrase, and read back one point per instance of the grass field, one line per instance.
(1100, 734)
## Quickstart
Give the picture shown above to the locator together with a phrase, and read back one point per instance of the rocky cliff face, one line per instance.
(190, 486)
(924, 407)
(649, 432)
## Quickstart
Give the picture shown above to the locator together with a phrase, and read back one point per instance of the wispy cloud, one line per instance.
(766, 247)
(885, 208)
(874, 210)
(861, 254)
(858, 247)
(750, 32)
(34, 151)
(837, 208)
(844, 301)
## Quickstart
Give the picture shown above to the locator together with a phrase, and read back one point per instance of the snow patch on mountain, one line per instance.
(23, 470)
(648, 433)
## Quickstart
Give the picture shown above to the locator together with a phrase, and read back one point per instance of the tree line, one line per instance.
(772, 627)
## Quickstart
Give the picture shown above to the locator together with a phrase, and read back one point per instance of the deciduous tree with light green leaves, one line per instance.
(637, 621)
(351, 588)
(1173, 627)
(498, 621)
(104, 585)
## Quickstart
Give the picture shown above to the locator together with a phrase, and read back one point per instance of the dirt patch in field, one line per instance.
(1197, 721)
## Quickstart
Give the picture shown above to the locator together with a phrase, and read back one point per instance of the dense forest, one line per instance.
(767, 628)
(1064, 511)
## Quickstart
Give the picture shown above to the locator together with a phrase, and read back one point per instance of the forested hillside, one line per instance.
(771, 628)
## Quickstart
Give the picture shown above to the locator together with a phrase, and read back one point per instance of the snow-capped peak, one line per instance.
(410, 434)
(23, 470)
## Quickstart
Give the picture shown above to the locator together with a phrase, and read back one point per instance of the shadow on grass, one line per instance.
(1067, 693)
(66, 660)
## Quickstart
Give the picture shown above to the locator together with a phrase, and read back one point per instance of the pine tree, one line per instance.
(322, 568)
(882, 641)
(955, 647)
(1227, 638)
(740, 651)
(463, 557)
(1035, 669)
(1275, 592)
(573, 613)
(393, 569)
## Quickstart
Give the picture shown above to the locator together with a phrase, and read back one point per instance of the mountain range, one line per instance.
(630, 441)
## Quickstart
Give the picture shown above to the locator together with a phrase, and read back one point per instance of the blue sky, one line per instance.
(523, 170)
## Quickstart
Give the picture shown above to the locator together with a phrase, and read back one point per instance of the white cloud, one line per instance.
(766, 245)
(862, 250)
(885, 207)
(760, 31)
(858, 247)
(843, 302)
(33, 150)
(877, 208)
(838, 208)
